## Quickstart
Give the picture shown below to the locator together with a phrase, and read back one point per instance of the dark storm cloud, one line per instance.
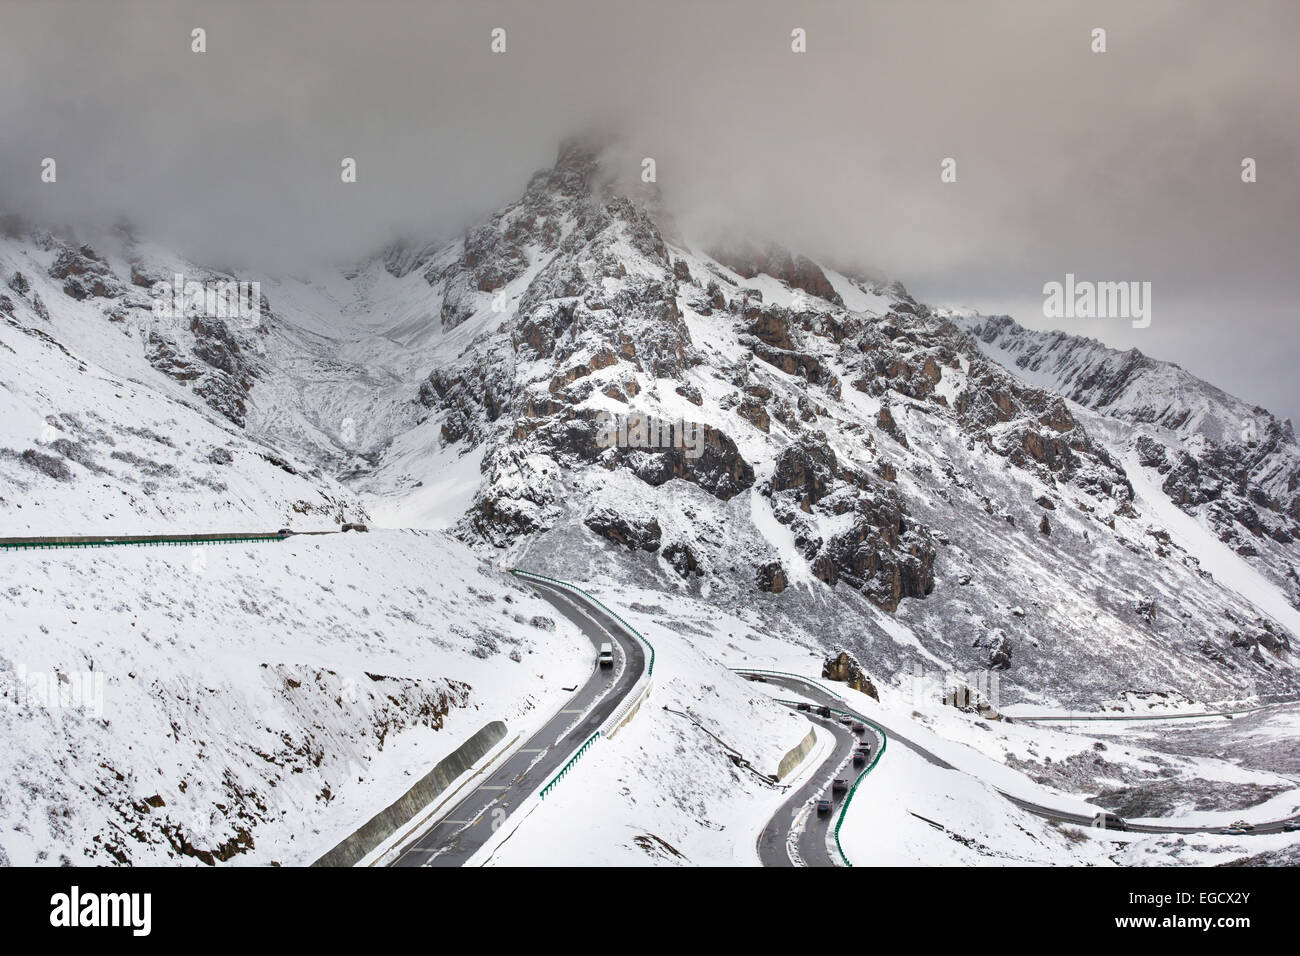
(1115, 166)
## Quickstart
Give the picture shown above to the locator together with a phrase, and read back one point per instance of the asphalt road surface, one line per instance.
(469, 824)
(773, 848)
(1070, 718)
(815, 693)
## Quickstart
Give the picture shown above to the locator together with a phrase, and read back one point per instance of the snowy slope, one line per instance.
(255, 703)
(94, 439)
(921, 488)
(1233, 466)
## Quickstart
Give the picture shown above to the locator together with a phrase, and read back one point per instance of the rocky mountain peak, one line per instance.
(812, 444)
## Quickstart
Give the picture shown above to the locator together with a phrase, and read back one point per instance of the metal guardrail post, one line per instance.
(139, 542)
(560, 774)
(844, 807)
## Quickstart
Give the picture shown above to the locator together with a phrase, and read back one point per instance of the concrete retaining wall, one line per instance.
(631, 712)
(795, 757)
(383, 824)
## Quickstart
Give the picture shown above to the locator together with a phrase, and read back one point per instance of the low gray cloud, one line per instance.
(1122, 165)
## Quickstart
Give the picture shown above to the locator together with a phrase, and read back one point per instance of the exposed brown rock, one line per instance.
(771, 577)
(637, 534)
(844, 667)
(754, 412)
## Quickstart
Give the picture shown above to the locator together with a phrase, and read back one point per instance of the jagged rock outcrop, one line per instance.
(1260, 634)
(997, 647)
(844, 667)
(798, 272)
(639, 534)
(683, 560)
(881, 554)
(85, 274)
(770, 577)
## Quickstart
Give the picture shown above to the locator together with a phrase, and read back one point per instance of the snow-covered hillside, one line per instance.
(845, 468)
(111, 422)
(253, 703)
(1230, 464)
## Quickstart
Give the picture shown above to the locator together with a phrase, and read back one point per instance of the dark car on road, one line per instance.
(859, 727)
(823, 807)
(859, 758)
(823, 711)
(804, 705)
(1109, 821)
(839, 785)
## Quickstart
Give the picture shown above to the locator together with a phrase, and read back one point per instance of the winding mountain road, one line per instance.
(471, 822)
(798, 816)
(818, 694)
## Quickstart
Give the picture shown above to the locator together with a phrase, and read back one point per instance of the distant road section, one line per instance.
(819, 694)
(1186, 715)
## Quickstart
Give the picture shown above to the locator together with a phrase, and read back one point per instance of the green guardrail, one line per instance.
(568, 765)
(844, 807)
(22, 544)
(884, 742)
(520, 572)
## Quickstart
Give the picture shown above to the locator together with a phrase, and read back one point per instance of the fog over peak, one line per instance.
(1123, 165)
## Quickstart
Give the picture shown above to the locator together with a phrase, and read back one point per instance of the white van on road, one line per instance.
(606, 656)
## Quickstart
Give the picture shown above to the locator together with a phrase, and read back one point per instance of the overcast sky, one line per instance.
(1124, 165)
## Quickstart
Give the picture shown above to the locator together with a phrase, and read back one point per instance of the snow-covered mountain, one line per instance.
(845, 467)
(115, 421)
(863, 454)
(1220, 459)
(917, 485)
